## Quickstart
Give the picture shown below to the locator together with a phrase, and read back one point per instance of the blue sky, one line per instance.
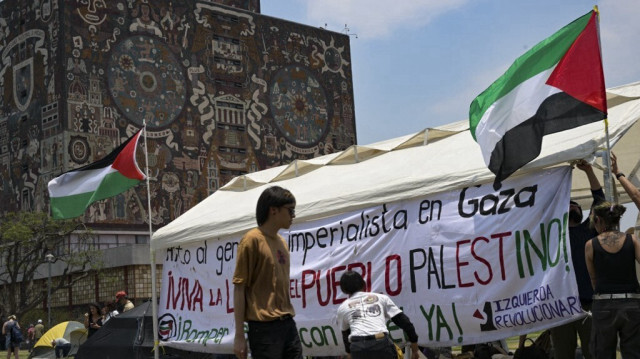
(420, 63)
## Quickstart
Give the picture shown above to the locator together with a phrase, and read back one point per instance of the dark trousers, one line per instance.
(62, 350)
(276, 339)
(613, 318)
(565, 338)
(382, 348)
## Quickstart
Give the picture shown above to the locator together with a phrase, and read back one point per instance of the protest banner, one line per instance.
(467, 266)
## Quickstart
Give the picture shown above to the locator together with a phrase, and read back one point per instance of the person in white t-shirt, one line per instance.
(61, 346)
(362, 319)
(108, 311)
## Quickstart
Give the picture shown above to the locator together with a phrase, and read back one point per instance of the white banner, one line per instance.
(466, 266)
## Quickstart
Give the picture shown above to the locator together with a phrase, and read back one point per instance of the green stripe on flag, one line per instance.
(73, 206)
(541, 57)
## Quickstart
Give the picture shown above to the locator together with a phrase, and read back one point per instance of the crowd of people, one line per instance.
(603, 259)
(94, 319)
(98, 315)
(609, 288)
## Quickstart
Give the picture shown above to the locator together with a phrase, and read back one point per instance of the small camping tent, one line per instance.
(74, 332)
(128, 335)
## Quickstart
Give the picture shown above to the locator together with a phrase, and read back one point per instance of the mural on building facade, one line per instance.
(251, 5)
(223, 92)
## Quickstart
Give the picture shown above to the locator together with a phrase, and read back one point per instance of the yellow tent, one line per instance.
(74, 332)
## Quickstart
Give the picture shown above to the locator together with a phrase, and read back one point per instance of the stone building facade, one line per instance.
(223, 90)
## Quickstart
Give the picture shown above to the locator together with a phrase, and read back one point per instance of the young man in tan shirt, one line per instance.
(261, 283)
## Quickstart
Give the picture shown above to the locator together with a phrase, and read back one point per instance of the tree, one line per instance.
(25, 240)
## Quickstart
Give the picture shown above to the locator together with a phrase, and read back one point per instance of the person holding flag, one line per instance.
(556, 86)
(73, 192)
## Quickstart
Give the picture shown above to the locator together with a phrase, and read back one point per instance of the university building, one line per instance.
(223, 90)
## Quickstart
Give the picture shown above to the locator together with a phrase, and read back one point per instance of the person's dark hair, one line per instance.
(272, 197)
(351, 282)
(575, 216)
(111, 306)
(610, 214)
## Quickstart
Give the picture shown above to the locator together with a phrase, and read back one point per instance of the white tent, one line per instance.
(431, 161)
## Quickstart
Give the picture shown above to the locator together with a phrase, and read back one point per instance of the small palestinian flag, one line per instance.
(73, 192)
(555, 86)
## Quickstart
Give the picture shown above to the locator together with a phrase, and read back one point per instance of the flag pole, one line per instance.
(152, 254)
(606, 159)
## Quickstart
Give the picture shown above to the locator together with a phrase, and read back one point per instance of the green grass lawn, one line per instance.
(512, 342)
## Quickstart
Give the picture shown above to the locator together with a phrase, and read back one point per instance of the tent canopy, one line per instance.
(418, 165)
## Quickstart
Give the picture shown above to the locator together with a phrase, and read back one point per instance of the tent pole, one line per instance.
(152, 256)
(154, 306)
(606, 161)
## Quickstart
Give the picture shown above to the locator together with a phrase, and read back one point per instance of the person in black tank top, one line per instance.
(611, 258)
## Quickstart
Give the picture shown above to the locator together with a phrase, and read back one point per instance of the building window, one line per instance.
(26, 201)
(232, 139)
(142, 239)
(227, 18)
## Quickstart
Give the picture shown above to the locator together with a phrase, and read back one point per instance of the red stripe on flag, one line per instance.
(126, 163)
(579, 73)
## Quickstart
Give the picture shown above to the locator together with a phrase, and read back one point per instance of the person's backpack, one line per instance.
(533, 351)
(16, 334)
(486, 351)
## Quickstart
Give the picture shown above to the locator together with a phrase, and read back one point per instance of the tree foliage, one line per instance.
(25, 240)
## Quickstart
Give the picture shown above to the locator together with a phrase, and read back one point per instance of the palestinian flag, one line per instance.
(72, 192)
(555, 86)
